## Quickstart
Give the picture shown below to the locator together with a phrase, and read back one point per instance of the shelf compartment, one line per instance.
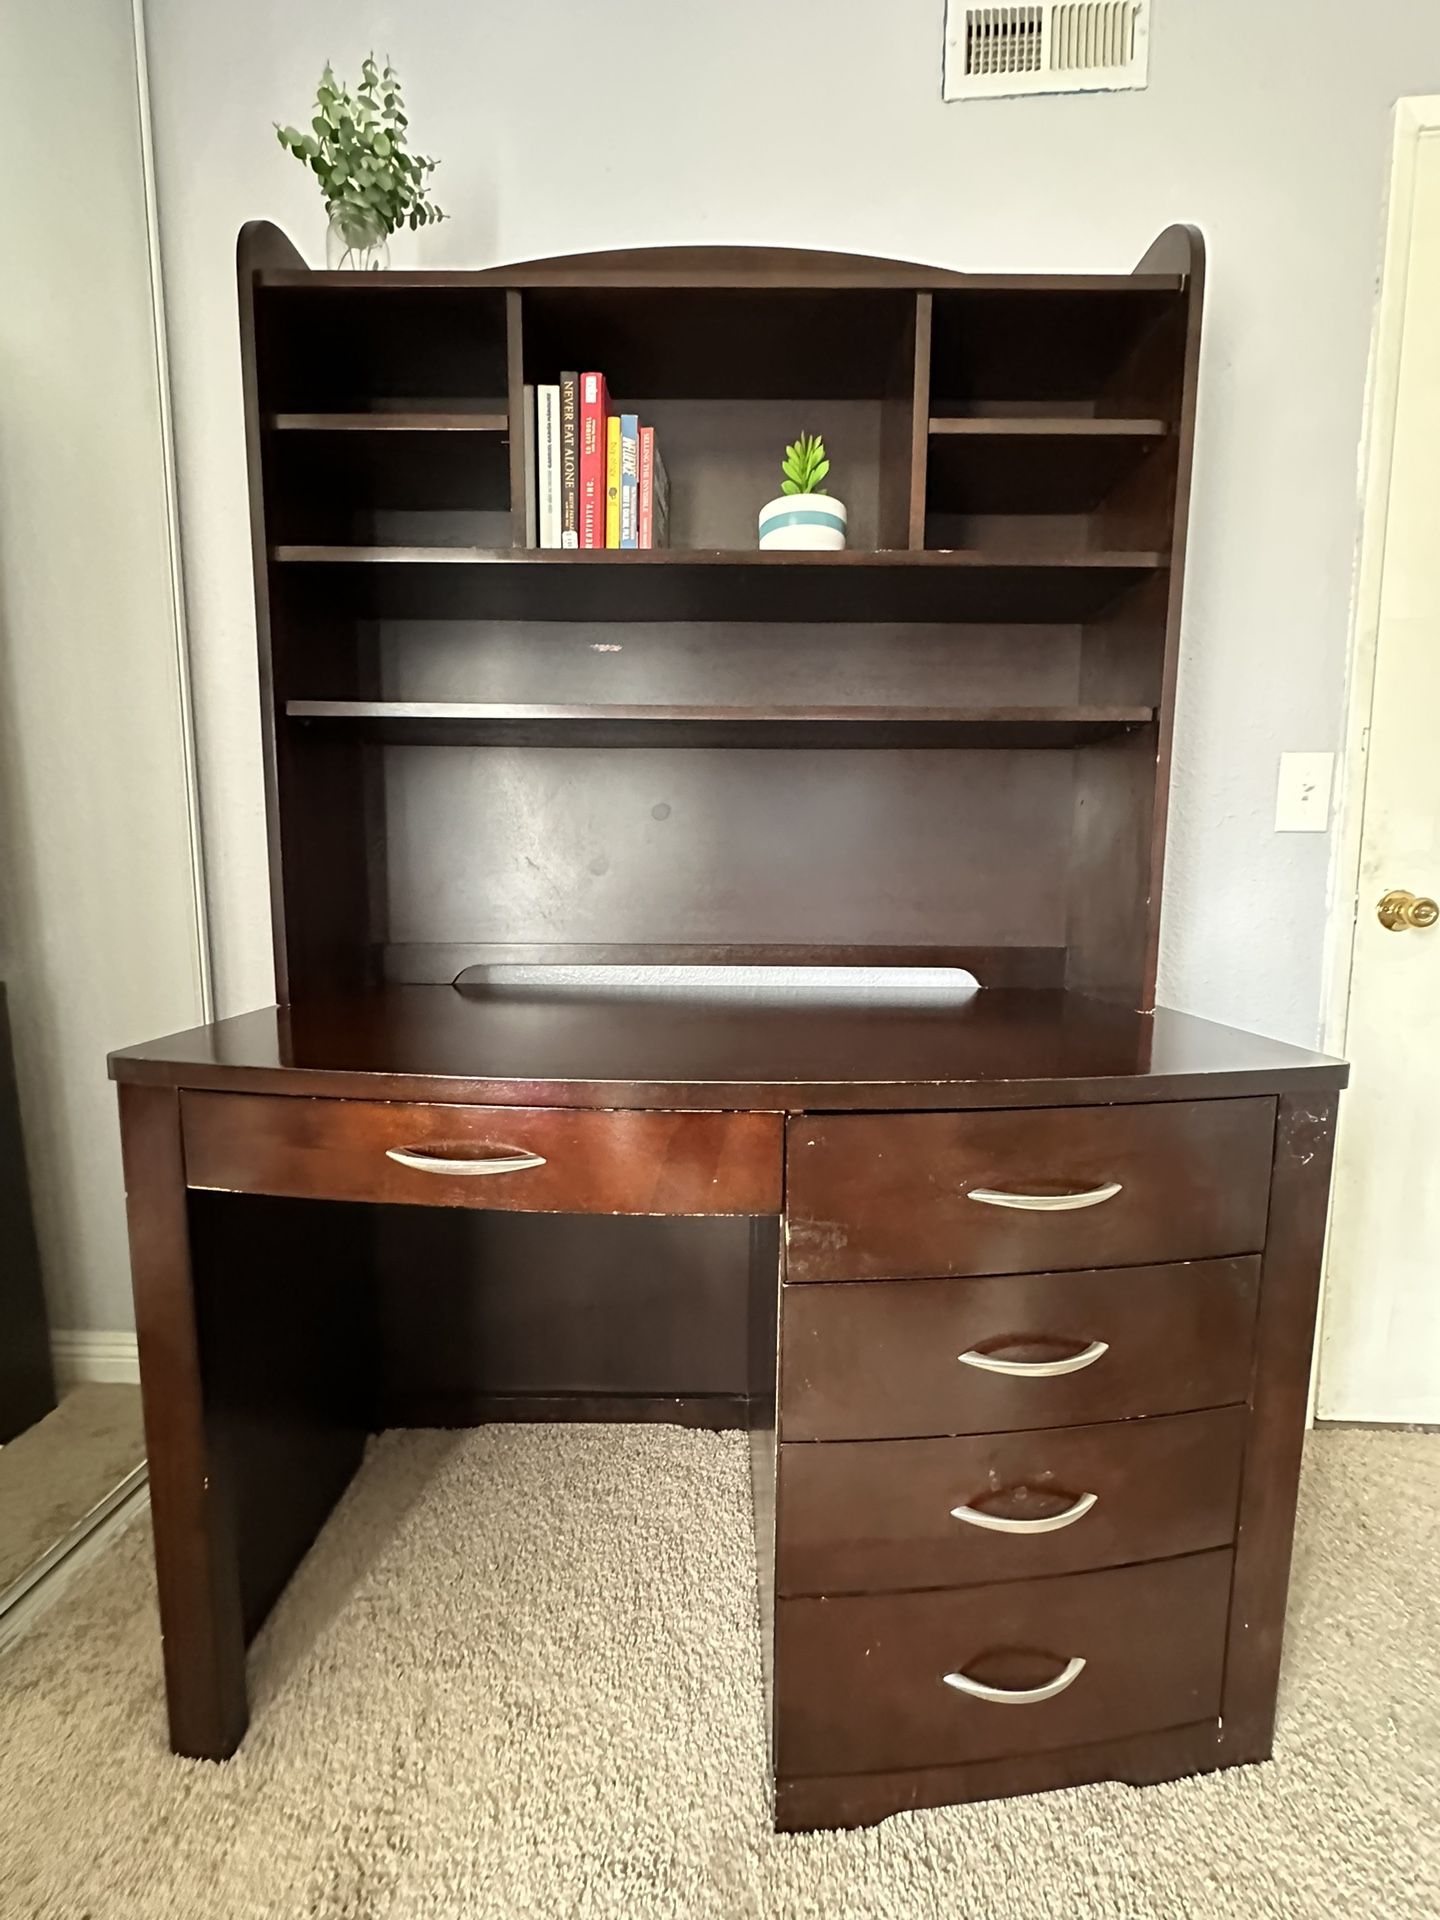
(1047, 484)
(490, 723)
(712, 665)
(422, 348)
(408, 582)
(1057, 348)
(1037, 466)
(390, 482)
(795, 345)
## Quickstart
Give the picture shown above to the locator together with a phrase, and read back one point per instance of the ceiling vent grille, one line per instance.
(1085, 46)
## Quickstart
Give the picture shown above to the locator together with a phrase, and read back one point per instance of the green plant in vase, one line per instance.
(805, 465)
(357, 148)
(804, 517)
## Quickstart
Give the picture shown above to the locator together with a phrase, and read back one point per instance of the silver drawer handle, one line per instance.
(510, 1160)
(1045, 1202)
(1036, 1369)
(1021, 1696)
(1052, 1523)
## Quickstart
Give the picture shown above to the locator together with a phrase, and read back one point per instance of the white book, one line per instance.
(547, 405)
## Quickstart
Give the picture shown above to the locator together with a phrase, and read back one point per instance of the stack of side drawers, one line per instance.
(1016, 1349)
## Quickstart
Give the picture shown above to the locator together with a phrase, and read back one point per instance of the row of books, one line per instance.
(598, 478)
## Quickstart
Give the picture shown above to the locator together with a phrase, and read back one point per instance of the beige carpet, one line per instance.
(519, 1677)
(58, 1472)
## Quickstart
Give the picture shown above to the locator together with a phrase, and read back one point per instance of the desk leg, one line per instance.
(195, 1555)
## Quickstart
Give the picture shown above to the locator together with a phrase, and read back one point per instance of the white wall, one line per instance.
(1265, 123)
(98, 928)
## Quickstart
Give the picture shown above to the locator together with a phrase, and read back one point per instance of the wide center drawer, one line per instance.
(527, 1159)
(861, 1684)
(889, 1196)
(871, 1516)
(866, 1362)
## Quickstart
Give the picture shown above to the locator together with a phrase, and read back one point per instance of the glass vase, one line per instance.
(356, 240)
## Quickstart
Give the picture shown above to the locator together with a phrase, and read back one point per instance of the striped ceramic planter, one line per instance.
(813, 522)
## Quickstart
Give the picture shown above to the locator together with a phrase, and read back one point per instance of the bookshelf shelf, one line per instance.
(707, 267)
(489, 723)
(407, 420)
(513, 583)
(1045, 427)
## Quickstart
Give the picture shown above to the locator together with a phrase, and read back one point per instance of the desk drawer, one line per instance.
(860, 1683)
(561, 1161)
(867, 1362)
(869, 1516)
(899, 1195)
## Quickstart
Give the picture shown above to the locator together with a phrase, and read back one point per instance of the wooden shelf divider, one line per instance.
(410, 420)
(1047, 427)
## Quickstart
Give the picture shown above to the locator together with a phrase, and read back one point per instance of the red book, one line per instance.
(594, 405)
(646, 491)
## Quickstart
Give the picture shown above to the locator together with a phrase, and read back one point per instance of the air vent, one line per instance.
(1086, 46)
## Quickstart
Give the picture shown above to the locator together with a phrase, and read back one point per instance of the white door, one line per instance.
(1380, 1349)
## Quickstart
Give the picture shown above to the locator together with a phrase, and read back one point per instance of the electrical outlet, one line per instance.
(1302, 797)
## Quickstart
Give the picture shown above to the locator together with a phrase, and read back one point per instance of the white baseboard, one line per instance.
(109, 1357)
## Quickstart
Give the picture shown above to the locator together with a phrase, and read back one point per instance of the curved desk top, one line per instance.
(588, 1049)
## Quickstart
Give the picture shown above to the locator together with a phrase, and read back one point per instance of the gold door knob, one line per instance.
(1400, 910)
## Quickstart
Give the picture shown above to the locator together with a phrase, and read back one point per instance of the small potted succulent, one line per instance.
(805, 516)
(356, 148)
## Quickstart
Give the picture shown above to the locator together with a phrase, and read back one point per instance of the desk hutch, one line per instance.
(1015, 1295)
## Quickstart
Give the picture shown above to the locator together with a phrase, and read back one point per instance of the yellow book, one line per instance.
(612, 481)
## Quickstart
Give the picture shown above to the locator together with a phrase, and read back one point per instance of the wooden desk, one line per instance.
(989, 1440)
(1025, 1473)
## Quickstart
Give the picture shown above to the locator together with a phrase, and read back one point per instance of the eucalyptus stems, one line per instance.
(357, 150)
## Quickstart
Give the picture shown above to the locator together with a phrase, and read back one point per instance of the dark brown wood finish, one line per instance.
(860, 1799)
(860, 1688)
(400, 582)
(949, 748)
(868, 1361)
(1180, 249)
(491, 723)
(263, 248)
(722, 267)
(687, 1163)
(871, 1516)
(326, 839)
(910, 1194)
(523, 1046)
(1285, 1334)
(515, 384)
(196, 1558)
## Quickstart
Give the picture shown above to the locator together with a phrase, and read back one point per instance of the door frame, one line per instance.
(1415, 118)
